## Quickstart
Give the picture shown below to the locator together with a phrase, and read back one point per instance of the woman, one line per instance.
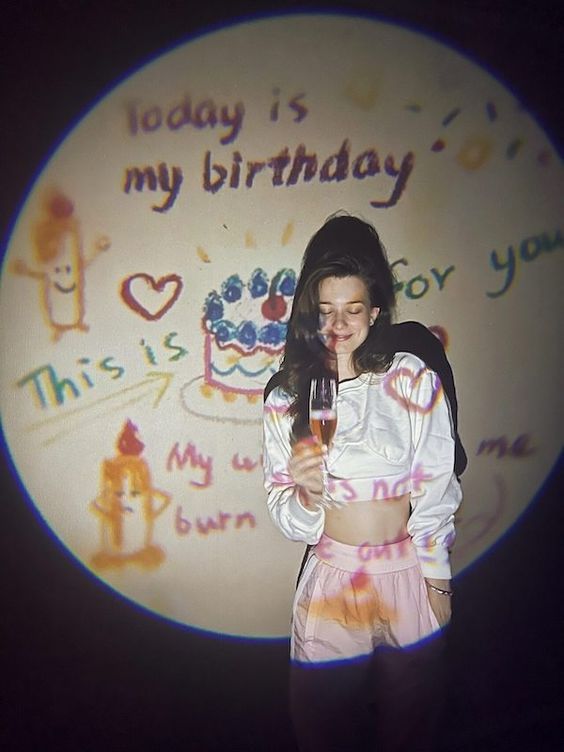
(405, 336)
(378, 577)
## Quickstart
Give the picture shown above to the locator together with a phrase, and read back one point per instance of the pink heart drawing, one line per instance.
(414, 378)
(171, 281)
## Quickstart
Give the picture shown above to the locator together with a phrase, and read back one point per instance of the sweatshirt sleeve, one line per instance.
(294, 520)
(436, 492)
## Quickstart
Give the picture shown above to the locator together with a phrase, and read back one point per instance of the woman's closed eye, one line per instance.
(325, 314)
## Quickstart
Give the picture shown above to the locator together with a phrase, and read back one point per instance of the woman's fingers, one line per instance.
(306, 464)
(306, 455)
(305, 467)
(333, 504)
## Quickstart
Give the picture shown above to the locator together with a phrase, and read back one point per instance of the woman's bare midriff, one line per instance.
(374, 522)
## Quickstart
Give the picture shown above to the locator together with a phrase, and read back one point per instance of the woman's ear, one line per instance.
(374, 315)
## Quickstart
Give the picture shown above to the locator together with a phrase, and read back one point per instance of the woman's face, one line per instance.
(345, 314)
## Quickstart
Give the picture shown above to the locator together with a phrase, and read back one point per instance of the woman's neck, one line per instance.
(345, 368)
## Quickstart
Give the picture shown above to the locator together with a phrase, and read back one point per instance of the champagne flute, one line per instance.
(323, 408)
(323, 416)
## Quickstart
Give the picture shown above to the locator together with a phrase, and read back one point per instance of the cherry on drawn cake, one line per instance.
(159, 294)
(274, 308)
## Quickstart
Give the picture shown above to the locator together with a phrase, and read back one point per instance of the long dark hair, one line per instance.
(344, 246)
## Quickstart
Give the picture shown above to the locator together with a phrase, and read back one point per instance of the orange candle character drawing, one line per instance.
(127, 507)
(60, 265)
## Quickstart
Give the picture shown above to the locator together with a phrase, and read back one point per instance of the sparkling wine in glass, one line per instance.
(323, 408)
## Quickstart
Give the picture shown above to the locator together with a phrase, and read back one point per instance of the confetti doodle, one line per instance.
(202, 255)
(476, 150)
(513, 148)
(274, 109)
(544, 157)
(250, 241)
(447, 120)
(152, 291)
(491, 111)
(441, 334)
(287, 234)
(439, 144)
(474, 153)
(363, 91)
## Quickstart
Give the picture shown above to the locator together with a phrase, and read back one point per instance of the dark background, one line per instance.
(82, 669)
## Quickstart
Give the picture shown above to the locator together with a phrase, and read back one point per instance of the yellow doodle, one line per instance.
(127, 508)
(60, 265)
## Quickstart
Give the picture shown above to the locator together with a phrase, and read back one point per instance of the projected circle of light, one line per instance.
(190, 192)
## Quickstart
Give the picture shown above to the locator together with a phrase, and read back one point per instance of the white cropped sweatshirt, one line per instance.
(394, 436)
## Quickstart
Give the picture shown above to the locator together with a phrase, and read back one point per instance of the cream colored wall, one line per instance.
(484, 179)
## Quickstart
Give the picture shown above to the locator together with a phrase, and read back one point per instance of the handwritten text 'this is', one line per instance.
(52, 389)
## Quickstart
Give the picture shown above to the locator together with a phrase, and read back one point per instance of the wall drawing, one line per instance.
(127, 508)
(60, 265)
(210, 186)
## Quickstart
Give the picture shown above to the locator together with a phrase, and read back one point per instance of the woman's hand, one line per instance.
(440, 604)
(306, 469)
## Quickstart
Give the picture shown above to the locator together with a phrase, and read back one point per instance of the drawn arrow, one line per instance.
(156, 384)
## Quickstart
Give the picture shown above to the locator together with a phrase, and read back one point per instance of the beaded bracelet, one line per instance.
(440, 590)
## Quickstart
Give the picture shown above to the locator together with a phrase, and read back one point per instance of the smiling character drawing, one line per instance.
(60, 261)
(127, 507)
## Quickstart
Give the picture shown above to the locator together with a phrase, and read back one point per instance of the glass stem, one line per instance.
(325, 478)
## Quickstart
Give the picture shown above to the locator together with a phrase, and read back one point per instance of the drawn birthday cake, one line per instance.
(245, 330)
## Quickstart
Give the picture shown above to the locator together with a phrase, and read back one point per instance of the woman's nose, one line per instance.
(339, 321)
